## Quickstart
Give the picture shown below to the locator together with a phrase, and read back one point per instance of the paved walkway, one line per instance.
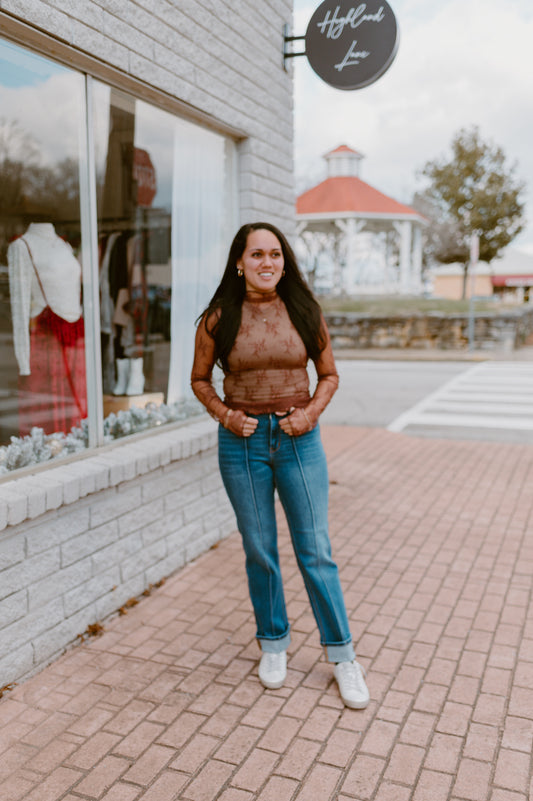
(434, 541)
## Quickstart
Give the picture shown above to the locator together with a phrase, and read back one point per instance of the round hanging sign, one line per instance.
(350, 46)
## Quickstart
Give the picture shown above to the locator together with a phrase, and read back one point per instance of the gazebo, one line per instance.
(337, 215)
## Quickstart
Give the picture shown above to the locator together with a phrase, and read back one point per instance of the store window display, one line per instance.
(164, 214)
(125, 216)
(151, 257)
(48, 332)
(42, 338)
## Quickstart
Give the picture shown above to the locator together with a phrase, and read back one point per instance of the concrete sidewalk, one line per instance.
(434, 540)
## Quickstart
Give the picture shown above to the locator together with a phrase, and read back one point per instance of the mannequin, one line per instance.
(45, 289)
(60, 275)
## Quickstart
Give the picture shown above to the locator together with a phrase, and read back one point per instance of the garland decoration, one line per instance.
(38, 447)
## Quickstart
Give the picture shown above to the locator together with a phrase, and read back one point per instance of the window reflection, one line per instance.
(42, 362)
(165, 213)
(134, 158)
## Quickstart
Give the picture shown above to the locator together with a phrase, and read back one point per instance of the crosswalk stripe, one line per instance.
(474, 421)
(496, 395)
(483, 406)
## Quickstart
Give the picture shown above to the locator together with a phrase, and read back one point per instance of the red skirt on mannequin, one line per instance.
(54, 396)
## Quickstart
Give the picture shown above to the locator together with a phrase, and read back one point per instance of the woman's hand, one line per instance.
(296, 423)
(239, 423)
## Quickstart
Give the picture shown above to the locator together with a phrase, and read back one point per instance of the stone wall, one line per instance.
(431, 331)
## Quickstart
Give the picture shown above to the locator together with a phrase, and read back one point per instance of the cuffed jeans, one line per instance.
(252, 468)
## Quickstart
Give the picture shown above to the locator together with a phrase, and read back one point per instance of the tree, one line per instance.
(475, 192)
(30, 190)
(17, 152)
(314, 246)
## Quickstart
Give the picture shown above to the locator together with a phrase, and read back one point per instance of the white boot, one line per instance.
(123, 375)
(136, 379)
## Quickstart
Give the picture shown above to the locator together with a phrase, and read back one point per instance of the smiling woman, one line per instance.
(262, 261)
(263, 325)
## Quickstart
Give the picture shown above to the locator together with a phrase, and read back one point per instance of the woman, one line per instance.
(262, 326)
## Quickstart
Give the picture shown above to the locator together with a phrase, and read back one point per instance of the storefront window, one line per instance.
(43, 395)
(165, 213)
(164, 217)
(134, 156)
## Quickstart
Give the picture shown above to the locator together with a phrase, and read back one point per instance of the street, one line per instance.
(487, 401)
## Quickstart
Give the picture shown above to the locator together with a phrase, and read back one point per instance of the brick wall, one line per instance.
(128, 517)
(222, 58)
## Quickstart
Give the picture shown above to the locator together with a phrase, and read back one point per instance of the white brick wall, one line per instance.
(79, 539)
(223, 57)
(76, 564)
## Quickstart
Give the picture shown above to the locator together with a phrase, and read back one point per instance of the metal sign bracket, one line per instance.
(286, 40)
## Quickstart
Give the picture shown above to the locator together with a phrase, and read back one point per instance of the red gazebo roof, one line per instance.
(349, 194)
(344, 149)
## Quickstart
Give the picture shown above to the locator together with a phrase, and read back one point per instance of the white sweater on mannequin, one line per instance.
(60, 275)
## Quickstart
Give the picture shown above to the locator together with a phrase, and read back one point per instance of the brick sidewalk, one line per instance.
(434, 540)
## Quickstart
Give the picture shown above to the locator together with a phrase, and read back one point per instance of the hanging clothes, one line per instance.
(48, 330)
(138, 290)
(129, 293)
(107, 310)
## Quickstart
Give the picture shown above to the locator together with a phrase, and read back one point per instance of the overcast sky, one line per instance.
(458, 64)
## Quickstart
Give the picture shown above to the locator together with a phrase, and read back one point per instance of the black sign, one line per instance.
(350, 46)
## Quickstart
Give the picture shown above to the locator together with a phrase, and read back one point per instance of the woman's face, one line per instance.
(262, 261)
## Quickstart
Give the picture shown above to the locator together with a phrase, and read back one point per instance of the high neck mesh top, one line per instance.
(267, 366)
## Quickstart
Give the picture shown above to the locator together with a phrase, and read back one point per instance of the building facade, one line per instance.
(508, 278)
(135, 137)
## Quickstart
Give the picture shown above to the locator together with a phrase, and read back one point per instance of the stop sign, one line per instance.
(144, 176)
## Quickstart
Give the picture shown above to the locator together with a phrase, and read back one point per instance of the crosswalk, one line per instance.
(495, 396)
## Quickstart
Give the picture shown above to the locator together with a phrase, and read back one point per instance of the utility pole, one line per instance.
(474, 257)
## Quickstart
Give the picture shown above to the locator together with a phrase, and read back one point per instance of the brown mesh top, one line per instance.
(267, 364)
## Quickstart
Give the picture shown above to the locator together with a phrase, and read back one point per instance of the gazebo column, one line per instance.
(417, 259)
(391, 275)
(339, 253)
(404, 229)
(310, 245)
(350, 228)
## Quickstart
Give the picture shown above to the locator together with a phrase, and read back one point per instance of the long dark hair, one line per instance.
(223, 314)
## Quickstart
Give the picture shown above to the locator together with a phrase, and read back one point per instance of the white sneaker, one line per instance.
(273, 670)
(352, 687)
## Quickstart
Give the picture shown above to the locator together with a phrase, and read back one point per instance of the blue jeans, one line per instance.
(252, 468)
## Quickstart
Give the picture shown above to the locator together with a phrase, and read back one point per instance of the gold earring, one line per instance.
(239, 272)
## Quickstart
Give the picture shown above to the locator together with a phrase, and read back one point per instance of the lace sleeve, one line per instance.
(328, 380)
(202, 372)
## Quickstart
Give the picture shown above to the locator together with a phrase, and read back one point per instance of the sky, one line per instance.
(458, 64)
